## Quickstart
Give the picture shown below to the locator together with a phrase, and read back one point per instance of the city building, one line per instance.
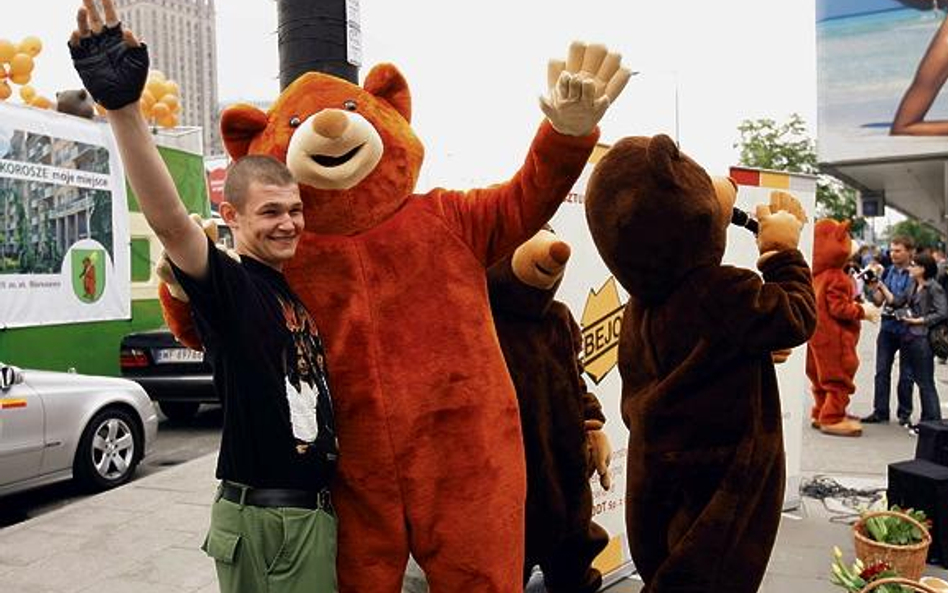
(182, 43)
(39, 221)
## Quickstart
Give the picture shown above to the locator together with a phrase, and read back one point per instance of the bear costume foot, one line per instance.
(847, 427)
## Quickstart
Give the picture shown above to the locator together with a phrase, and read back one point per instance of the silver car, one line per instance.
(58, 426)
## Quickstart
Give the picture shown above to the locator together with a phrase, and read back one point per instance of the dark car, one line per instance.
(176, 377)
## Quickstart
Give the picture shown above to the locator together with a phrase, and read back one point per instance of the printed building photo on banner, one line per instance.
(63, 221)
(881, 66)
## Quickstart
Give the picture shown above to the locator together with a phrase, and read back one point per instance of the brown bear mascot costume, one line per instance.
(431, 458)
(559, 418)
(831, 358)
(705, 475)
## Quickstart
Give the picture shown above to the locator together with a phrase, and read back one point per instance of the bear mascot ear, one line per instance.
(239, 125)
(663, 155)
(387, 83)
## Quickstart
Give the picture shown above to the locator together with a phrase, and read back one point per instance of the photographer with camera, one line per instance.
(892, 291)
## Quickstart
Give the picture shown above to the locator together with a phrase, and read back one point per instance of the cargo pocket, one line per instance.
(221, 545)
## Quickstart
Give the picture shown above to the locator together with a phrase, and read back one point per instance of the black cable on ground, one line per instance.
(856, 499)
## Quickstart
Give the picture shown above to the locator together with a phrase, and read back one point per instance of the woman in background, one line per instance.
(928, 306)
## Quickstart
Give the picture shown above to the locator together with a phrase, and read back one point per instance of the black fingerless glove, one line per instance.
(112, 72)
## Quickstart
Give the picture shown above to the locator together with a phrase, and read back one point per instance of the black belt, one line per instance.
(275, 497)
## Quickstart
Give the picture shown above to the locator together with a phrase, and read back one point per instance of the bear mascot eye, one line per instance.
(295, 122)
(350, 105)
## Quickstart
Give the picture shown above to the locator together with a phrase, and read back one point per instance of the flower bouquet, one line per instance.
(857, 577)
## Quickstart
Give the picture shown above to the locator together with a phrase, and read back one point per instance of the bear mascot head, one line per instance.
(832, 245)
(351, 148)
(654, 215)
(75, 102)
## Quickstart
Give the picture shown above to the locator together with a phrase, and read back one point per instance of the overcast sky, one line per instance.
(476, 68)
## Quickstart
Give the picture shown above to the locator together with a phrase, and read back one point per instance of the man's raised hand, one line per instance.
(111, 62)
(582, 88)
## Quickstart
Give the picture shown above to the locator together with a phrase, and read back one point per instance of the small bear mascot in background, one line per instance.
(831, 358)
(705, 473)
(560, 419)
(75, 102)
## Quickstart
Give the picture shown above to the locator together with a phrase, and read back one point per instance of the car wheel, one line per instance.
(179, 411)
(109, 450)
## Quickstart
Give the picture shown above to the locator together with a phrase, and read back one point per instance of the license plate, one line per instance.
(178, 355)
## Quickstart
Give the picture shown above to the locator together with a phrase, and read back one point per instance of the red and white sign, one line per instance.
(216, 173)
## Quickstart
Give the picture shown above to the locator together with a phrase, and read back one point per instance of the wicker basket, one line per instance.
(898, 581)
(908, 561)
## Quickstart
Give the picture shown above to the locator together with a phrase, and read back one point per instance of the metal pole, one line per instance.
(313, 36)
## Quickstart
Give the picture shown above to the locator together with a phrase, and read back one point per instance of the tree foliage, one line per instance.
(767, 144)
(922, 235)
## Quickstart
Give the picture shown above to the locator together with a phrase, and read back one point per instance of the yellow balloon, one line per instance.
(145, 109)
(147, 99)
(7, 51)
(176, 108)
(168, 121)
(156, 75)
(21, 64)
(31, 45)
(27, 93)
(20, 78)
(156, 88)
(3, 72)
(160, 110)
(172, 102)
(41, 102)
(5, 90)
(171, 87)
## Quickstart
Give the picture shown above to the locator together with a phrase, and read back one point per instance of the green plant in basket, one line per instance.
(895, 530)
(855, 578)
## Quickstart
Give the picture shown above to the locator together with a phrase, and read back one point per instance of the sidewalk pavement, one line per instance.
(145, 536)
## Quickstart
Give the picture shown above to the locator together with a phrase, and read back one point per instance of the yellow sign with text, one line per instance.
(601, 321)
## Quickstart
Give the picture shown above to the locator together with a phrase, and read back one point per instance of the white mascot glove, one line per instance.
(582, 88)
(870, 312)
(163, 267)
(780, 224)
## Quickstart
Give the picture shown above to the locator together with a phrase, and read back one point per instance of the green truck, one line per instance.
(93, 347)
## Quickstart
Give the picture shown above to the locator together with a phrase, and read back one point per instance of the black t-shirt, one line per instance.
(270, 373)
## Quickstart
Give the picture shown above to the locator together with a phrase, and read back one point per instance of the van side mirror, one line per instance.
(9, 376)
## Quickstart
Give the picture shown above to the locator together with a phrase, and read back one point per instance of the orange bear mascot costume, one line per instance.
(831, 359)
(431, 458)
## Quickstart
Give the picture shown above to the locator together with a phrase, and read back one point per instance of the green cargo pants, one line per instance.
(272, 550)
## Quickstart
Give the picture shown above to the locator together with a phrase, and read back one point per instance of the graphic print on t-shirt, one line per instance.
(305, 372)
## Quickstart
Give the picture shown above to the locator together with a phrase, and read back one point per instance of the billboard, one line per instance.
(881, 64)
(64, 243)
